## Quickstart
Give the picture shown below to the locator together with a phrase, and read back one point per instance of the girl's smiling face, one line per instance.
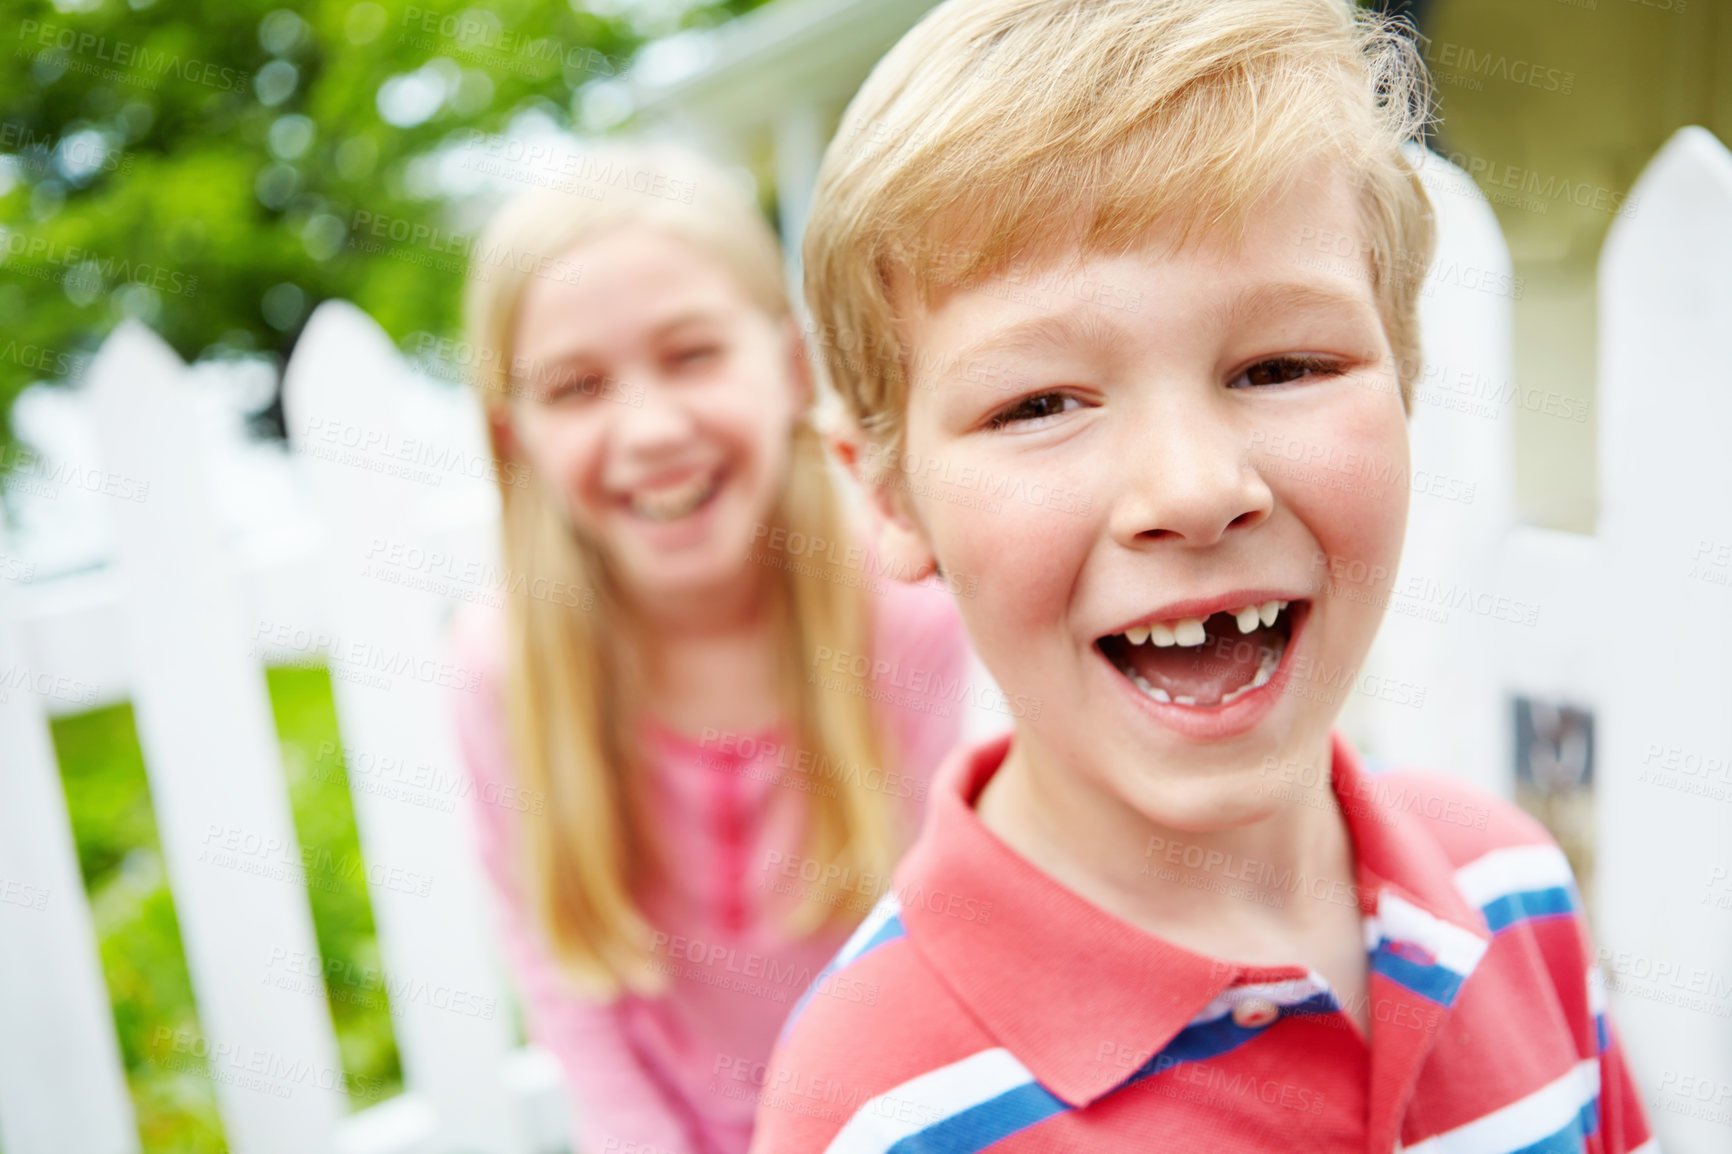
(1151, 501)
(656, 399)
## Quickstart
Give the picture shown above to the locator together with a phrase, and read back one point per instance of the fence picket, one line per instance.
(1665, 477)
(1430, 667)
(392, 682)
(54, 1013)
(215, 772)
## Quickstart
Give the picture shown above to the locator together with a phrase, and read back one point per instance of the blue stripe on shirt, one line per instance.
(1532, 905)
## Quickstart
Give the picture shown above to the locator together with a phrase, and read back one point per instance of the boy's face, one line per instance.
(1172, 442)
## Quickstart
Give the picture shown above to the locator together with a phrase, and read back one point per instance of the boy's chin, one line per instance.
(1201, 805)
(1204, 790)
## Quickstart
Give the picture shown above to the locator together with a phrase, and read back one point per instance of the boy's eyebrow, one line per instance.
(1074, 326)
(1286, 294)
(1085, 326)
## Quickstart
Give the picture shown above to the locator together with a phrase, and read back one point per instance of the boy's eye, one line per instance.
(1284, 370)
(1033, 409)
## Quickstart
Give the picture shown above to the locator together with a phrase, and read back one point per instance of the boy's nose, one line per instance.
(1187, 477)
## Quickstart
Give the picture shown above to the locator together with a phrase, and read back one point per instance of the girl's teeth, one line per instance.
(1162, 635)
(1248, 618)
(668, 506)
(1267, 612)
(1139, 635)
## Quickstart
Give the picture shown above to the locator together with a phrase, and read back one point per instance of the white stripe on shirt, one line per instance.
(1401, 921)
(925, 1101)
(1514, 870)
(1524, 1121)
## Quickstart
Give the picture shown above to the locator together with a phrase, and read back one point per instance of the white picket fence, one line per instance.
(182, 624)
(183, 628)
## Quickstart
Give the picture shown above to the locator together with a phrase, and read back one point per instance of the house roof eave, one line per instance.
(817, 49)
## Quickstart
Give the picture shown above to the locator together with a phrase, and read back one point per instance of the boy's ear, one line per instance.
(896, 533)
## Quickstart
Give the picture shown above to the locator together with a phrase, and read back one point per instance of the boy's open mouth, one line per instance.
(1204, 661)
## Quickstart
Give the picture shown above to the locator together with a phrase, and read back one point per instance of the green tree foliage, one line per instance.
(200, 164)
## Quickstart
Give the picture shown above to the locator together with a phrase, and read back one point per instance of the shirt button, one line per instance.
(1255, 1013)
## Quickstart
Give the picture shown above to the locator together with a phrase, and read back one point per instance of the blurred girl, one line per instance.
(690, 785)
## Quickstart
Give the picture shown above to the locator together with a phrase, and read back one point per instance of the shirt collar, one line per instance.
(1393, 848)
(993, 926)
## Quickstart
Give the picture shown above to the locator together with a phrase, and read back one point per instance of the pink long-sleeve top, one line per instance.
(682, 1073)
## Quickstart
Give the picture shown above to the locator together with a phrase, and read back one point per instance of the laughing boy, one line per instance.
(1065, 238)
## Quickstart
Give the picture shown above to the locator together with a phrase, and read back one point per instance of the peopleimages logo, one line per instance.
(480, 36)
(255, 1068)
(48, 478)
(387, 452)
(398, 992)
(727, 967)
(812, 772)
(360, 661)
(93, 266)
(136, 59)
(926, 690)
(1667, 981)
(570, 170)
(812, 880)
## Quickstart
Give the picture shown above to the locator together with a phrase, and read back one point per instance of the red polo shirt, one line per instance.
(990, 1008)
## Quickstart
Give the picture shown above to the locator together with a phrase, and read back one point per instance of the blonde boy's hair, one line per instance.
(996, 128)
(590, 850)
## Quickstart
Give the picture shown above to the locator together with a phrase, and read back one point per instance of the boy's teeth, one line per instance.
(1153, 691)
(1189, 631)
(1265, 670)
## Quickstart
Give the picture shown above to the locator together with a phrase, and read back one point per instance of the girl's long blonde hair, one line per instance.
(590, 849)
